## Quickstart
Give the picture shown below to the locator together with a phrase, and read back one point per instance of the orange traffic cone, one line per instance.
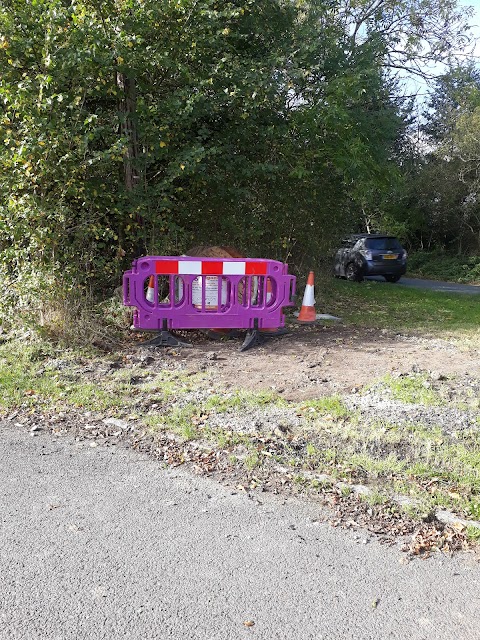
(307, 312)
(151, 290)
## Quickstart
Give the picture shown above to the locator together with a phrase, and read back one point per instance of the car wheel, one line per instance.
(353, 273)
(392, 278)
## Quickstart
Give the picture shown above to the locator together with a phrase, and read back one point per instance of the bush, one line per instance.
(440, 265)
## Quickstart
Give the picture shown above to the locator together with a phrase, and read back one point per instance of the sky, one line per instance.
(413, 85)
(475, 21)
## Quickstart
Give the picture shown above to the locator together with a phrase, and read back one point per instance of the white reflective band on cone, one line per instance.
(308, 296)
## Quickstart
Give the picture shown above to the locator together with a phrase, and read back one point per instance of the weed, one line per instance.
(419, 432)
(40, 351)
(311, 450)
(225, 439)
(90, 396)
(223, 403)
(322, 484)
(252, 460)
(154, 421)
(189, 431)
(473, 533)
(330, 405)
(413, 511)
(373, 498)
(266, 397)
(330, 455)
(412, 389)
(179, 420)
(222, 439)
(474, 509)
(240, 399)
(378, 466)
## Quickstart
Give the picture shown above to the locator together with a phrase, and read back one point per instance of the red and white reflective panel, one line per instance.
(210, 268)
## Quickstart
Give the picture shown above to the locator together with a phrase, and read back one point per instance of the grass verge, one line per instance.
(386, 306)
(320, 437)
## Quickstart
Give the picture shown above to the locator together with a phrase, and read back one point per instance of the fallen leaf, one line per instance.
(454, 495)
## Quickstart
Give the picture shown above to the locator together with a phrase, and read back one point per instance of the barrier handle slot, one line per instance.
(127, 289)
(171, 291)
(293, 283)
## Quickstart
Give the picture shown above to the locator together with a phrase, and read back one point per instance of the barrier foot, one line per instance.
(164, 339)
(256, 337)
(252, 339)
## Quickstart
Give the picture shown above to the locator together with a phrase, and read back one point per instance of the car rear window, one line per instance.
(383, 244)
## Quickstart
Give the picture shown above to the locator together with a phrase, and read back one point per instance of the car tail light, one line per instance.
(404, 255)
(368, 255)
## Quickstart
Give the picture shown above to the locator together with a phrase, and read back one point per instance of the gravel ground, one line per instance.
(375, 408)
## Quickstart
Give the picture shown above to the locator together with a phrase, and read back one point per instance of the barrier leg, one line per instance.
(253, 338)
(257, 337)
(164, 339)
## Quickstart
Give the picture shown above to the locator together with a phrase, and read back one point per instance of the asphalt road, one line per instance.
(433, 285)
(105, 543)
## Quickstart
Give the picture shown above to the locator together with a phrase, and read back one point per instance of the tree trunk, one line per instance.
(131, 175)
(128, 129)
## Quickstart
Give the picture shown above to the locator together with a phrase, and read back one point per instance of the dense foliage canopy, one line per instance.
(145, 126)
(442, 202)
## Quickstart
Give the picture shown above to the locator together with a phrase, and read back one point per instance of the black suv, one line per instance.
(370, 254)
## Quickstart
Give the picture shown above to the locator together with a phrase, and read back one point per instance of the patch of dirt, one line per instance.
(316, 361)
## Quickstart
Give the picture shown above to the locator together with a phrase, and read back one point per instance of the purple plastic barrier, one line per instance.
(205, 293)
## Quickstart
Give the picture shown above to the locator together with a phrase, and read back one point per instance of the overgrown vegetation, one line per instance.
(441, 265)
(441, 205)
(139, 126)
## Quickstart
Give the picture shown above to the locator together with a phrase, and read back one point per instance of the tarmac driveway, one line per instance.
(105, 543)
(432, 285)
